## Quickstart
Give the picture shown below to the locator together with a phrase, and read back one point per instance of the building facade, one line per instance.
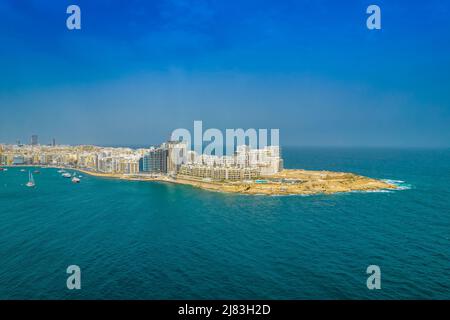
(176, 155)
(155, 161)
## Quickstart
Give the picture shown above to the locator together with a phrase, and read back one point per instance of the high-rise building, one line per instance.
(176, 155)
(34, 140)
(53, 142)
(155, 161)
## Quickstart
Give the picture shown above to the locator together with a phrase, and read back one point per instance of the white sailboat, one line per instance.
(30, 182)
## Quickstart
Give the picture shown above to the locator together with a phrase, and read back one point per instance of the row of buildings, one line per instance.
(172, 158)
(105, 160)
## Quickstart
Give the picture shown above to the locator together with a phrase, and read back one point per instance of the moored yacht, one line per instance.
(76, 180)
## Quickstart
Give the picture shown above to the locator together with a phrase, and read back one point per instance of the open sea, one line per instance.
(151, 240)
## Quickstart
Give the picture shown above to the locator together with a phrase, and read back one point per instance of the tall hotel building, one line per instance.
(155, 161)
(176, 155)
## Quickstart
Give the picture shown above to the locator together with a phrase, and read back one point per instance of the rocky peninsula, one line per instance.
(286, 182)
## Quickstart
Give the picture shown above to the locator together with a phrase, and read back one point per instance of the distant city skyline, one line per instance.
(138, 70)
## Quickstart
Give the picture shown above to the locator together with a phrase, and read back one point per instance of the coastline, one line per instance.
(286, 182)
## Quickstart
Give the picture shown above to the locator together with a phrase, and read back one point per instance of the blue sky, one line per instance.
(139, 69)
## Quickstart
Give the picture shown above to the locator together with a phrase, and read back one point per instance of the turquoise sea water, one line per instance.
(142, 240)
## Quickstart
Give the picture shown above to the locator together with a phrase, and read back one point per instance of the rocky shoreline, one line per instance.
(287, 182)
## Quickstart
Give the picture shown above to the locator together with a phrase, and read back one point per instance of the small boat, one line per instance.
(2, 169)
(30, 182)
(66, 175)
(36, 172)
(76, 180)
(22, 170)
(61, 171)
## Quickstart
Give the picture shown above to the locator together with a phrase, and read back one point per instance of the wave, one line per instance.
(369, 191)
(378, 191)
(291, 195)
(401, 185)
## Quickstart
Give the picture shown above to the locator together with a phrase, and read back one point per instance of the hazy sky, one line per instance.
(139, 69)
